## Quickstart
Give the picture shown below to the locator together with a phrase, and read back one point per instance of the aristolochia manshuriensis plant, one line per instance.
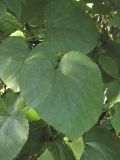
(59, 80)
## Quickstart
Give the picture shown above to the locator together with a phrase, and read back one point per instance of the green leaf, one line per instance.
(18, 33)
(69, 28)
(32, 12)
(113, 92)
(112, 50)
(102, 7)
(2, 9)
(13, 135)
(101, 144)
(115, 120)
(13, 131)
(77, 147)
(46, 155)
(115, 21)
(109, 65)
(117, 3)
(9, 23)
(14, 102)
(23, 1)
(13, 52)
(14, 6)
(64, 95)
(2, 107)
(60, 150)
(35, 144)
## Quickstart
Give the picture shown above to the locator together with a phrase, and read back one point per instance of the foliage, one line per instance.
(59, 80)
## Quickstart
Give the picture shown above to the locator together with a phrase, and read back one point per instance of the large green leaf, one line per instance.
(14, 6)
(13, 132)
(100, 144)
(13, 52)
(115, 120)
(65, 94)
(69, 28)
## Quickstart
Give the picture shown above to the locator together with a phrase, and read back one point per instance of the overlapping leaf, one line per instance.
(115, 21)
(77, 147)
(115, 120)
(69, 28)
(13, 52)
(60, 150)
(35, 144)
(101, 144)
(14, 6)
(9, 23)
(113, 92)
(32, 12)
(109, 65)
(46, 155)
(13, 131)
(2, 9)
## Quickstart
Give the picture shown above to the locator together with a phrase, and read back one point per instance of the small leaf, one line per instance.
(77, 147)
(115, 120)
(2, 107)
(46, 155)
(35, 144)
(60, 150)
(2, 9)
(14, 6)
(9, 23)
(115, 21)
(113, 92)
(109, 65)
